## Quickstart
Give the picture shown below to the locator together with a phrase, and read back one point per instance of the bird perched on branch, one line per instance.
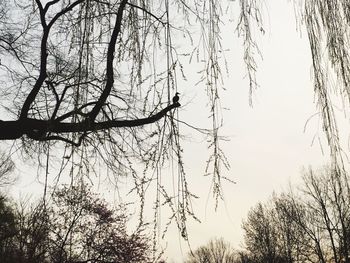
(176, 98)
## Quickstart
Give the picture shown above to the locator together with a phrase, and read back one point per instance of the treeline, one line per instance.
(308, 223)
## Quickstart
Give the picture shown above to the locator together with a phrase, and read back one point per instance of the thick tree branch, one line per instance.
(43, 64)
(50, 4)
(43, 52)
(38, 129)
(109, 67)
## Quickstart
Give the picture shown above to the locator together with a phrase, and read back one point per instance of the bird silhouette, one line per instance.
(176, 98)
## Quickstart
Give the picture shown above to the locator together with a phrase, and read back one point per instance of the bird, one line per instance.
(176, 98)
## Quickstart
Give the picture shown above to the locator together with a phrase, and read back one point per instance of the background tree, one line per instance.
(308, 224)
(7, 211)
(76, 226)
(327, 197)
(216, 250)
(244, 257)
(261, 235)
(8, 230)
(293, 243)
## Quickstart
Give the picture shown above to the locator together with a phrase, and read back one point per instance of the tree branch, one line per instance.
(76, 111)
(43, 63)
(43, 52)
(50, 4)
(147, 12)
(109, 67)
(38, 129)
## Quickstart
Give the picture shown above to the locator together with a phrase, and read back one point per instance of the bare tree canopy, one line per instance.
(93, 80)
(309, 223)
(62, 58)
(217, 250)
(87, 82)
(77, 71)
(75, 226)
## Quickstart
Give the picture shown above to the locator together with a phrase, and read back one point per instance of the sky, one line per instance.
(270, 143)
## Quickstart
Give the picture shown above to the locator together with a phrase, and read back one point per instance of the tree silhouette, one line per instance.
(7, 230)
(75, 227)
(216, 250)
(48, 110)
(310, 223)
(92, 81)
(89, 82)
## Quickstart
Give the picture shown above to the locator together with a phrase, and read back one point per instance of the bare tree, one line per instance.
(327, 198)
(89, 82)
(7, 229)
(261, 234)
(216, 250)
(293, 242)
(88, 79)
(70, 92)
(75, 227)
(276, 231)
(308, 224)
